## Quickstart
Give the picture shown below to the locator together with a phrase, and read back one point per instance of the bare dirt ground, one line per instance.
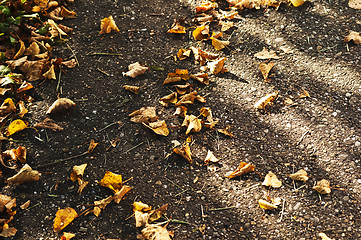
(320, 134)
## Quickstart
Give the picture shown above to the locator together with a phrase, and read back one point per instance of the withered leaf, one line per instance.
(304, 94)
(202, 57)
(183, 89)
(159, 127)
(22, 109)
(201, 77)
(187, 99)
(297, 3)
(141, 218)
(50, 74)
(8, 232)
(265, 69)
(48, 123)
(157, 213)
(69, 64)
(78, 172)
(192, 123)
(63, 218)
(266, 101)
(133, 89)
(55, 31)
(139, 206)
(67, 236)
(66, 13)
(60, 105)
(183, 53)
(216, 66)
(185, 152)
(201, 32)
(353, 36)
(112, 181)
(107, 25)
(145, 114)
(118, 196)
(135, 69)
(21, 50)
(266, 205)
(271, 180)
(242, 169)
(101, 204)
(16, 154)
(265, 54)
(25, 205)
(26, 174)
(166, 100)
(210, 158)
(205, 6)
(218, 44)
(226, 25)
(226, 131)
(92, 146)
(355, 4)
(323, 236)
(4, 199)
(180, 111)
(300, 175)
(323, 187)
(155, 232)
(7, 106)
(177, 27)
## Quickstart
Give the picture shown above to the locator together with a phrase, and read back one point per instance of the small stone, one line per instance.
(357, 143)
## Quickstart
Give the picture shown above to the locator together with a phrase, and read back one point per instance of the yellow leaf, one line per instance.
(226, 131)
(107, 25)
(63, 218)
(297, 3)
(218, 44)
(185, 152)
(92, 146)
(112, 181)
(67, 236)
(183, 53)
(192, 123)
(159, 127)
(139, 206)
(26, 174)
(177, 28)
(156, 214)
(266, 205)
(187, 99)
(201, 32)
(266, 101)
(300, 175)
(8, 106)
(242, 169)
(216, 67)
(323, 187)
(78, 172)
(101, 204)
(133, 89)
(21, 50)
(180, 111)
(304, 94)
(171, 98)
(183, 89)
(16, 126)
(271, 180)
(121, 193)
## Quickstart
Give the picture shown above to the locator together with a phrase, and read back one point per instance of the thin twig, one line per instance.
(103, 53)
(59, 80)
(62, 160)
(221, 209)
(33, 206)
(118, 122)
(132, 148)
(174, 183)
(283, 208)
(302, 137)
(102, 71)
(128, 180)
(76, 59)
(245, 189)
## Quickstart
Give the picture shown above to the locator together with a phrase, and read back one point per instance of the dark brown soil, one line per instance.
(320, 134)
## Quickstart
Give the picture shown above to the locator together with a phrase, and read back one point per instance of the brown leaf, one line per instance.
(271, 180)
(192, 123)
(226, 25)
(210, 158)
(185, 152)
(92, 146)
(323, 236)
(69, 64)
(304, 94)
(21, 50)
(141, 219)
(242, 169)
(300, 175)
(67, 236)
(355, 4)
(323, 187)
(159, 127)
(353, 36)
(48, 123)
(166, 100)
(177, 27)
(156, 214)
(67, 13)
(226, 131)
(107, 25)
(78, 172)
(201, 32)
(133, 89)
(26, 174)
(55, 31)
(22, 109)
(63, 218)
(8, 106)
(266, 101)
(118, 196)
(8, 232)
(187, 99)
(180, 111)
(135, 69)
(25, 205)
(50, 74)
(60, 105)
(216, 66)
(16, 154)
(265, 54)
(4, 199)
(265, 69)
(145, 114)
(202, 57)
(101, 204)
(183, 89)
(218, 44)
(266, 205)
(155, 232)
(201, 77)
(183, 53)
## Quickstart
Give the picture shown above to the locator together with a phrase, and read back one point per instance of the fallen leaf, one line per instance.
(107, 25)
(50, 74)
(69, 64)
(67, 236)
(101, 204)
(265, 69)
(201, 33)
(16, 126)
(139, 206)
(207, 113)
(353, 36)
(242, 169)
(266, 205)
(8, 106)
(210, 158)
(159, 127)
(257, 4)
(304, 94)
(67, 13)
(189, 99)
(183, 89)
(8, 232)
(182, 73)
(355, 4)
(157, 213)
(155, 232)
(4, 200)
(286, 49)
(180, 111)
(226, 131)
(77, 175)
(202, 57)
(192, 123)
(226, 25)
(172, 80)
(25, 205)
(21, 50)
(16, 154)
(133, 89)
(26, 174)
(61, 105)
(166, 100)
(300, 175)
(323, 187)
(145, 114)
(185, 152)
(177, 27)
(324, 236)
(135, 69)
(22, 109)
(141, 218)
(218, 44)
(118, 196)
(183, 53)
(112, 181)
(271, 180)
(203, 19)
(48, 123)
(205, 6)
(216, 66)
(265, 54)
(266, 101)
(297, 3)
(24, 87)
(201, 77)
(63, 218)
(55, 31)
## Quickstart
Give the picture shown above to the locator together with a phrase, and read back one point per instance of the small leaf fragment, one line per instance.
(353, 36)
(266, 205)
(218, 44)
(300, 175)
(297, 3)
(210, 158)
(157, 213)
(201, 32)
(272, 180)
(159, 127)
(63, 218)
(355, 4)
(118, 196)
(323, 187)
(323, 236)
(48, 123)
(216, 66)
(265, 54)
(135, 69)
(26, 174)
(266, 101)
(177, 27)
(155, 232)
(242, 169)
(101, 204)
(183, 53)
(226, 131)
(67, 236)
(166, 100)
(61, 105)
(185, 152)
(201, 77)
(25, 205)
(145, 114)
(139, 206)
(192, 123)
(133, 89)
(107, 25)
(8, 232)
(265, 69)
(92, 146)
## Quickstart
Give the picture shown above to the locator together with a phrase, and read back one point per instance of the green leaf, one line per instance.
(5, 10)
(13, 40)
(4, 27)
(43, 29)
(4, 70)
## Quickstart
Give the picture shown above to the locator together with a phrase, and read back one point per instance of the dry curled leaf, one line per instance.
(266, 101)
(202, 57)
(26, 174)
(226, 131)
(266, 205)
(205, 6)
(133, 89)
(218, 44)
(8, 232)
(155, 232)
(183, 53)
(61, 105)
(55, 31)
(50, 74)
(323, 187)
(16, 126)
(300, 175)
(4, 200)
(265, 69)
(118, 196)
(159, 127)
(135, 69)
(101, 204)
(25, 205)
(63, 218)
(216, 66)
(192, 123)
(185, 152)
(297, 3)
(107, 25)
(16, 154)
(201, 77)
(183, 89)
(144, 115)
(48, 123)
(201, 32)
(69, 64)
(67, 236)
(139, 206)
(8, 106)
(353, 36)
(77, 175)
(355, 4)
(22, 109)
(210, 158)
(141, 218)
(180, 111)
(265, 54)
(242, 169)
(323, 236)
(304, 94)
(166, 100)
(157, 213)
(21, 50)
(271, 180)
(226, 25)
(112, 181)
(177, 27)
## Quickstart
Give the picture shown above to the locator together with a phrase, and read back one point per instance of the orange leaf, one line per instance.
(63, 218)
(112, 181)
(16, 126)
(107, 25)
(185, 152)
(242, 169)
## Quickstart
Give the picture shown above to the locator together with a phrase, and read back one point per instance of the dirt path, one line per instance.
(320, 134)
